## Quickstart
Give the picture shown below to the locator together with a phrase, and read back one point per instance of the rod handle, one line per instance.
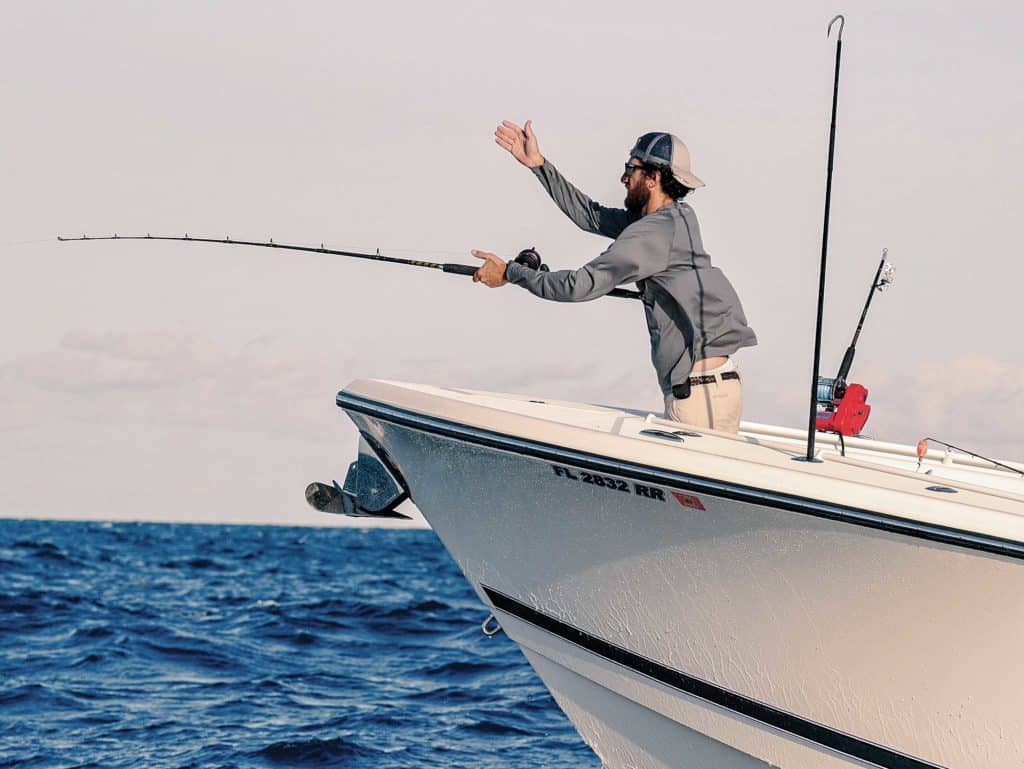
(844, 367)
(459, 269)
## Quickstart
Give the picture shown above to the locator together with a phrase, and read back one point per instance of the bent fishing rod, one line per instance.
(527, 257)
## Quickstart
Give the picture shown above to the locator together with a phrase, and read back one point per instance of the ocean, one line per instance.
(174, 645)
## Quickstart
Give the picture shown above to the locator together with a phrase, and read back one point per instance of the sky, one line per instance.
(173, 381)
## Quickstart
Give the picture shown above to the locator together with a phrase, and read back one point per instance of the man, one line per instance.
(693, 314)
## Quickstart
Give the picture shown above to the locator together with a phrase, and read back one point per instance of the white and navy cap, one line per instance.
(666, 150)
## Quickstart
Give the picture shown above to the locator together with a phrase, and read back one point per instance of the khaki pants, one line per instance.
(716, 405)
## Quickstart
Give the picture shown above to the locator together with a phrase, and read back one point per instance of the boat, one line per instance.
(693, 598)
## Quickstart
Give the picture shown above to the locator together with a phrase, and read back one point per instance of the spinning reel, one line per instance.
(529, 258)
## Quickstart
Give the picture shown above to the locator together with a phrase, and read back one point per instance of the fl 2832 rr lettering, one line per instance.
(614, 484)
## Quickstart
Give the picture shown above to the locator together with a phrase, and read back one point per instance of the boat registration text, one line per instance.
(615, 484)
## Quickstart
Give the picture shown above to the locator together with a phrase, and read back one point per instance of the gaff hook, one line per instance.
(842, 20)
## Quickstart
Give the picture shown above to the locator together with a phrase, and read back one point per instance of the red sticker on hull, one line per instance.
(688, 500)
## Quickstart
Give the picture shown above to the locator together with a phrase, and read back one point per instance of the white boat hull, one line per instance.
(719, 629)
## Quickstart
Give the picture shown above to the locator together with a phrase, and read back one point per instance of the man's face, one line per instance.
(637, 191)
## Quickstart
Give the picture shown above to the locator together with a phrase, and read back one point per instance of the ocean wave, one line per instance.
(314, 752)
(129, 645)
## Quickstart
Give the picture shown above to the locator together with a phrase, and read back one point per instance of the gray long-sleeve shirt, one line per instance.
(693, 311)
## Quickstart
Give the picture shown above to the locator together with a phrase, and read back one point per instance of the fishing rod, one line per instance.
(922, 450)
(527, 257)
(842, 407)
(883, 277)
(812, 420)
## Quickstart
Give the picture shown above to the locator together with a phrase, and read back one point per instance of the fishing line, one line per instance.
(26, 242)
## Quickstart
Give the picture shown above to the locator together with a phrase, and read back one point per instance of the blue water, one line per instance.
(151, 645)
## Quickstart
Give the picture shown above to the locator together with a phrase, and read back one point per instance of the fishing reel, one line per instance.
(842, 407)
(530, 259)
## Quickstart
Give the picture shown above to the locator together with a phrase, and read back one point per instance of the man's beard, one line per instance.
(637, 199)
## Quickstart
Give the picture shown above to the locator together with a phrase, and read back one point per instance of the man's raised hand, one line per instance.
(520, 142)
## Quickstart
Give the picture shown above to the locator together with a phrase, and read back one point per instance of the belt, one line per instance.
(682, 391)
(709, 378)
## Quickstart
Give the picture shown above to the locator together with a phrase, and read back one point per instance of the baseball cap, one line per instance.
(663, 149)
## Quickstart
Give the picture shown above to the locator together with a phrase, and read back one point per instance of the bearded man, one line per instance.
(694, 316)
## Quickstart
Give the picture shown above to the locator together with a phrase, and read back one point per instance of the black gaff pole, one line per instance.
(456, 269)
(812, 420)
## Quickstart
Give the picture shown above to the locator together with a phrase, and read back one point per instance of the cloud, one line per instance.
(973, 400)
(88, 362)
(270, 384)
(168, 378)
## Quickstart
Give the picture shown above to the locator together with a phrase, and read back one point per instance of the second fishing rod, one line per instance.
(528, 257)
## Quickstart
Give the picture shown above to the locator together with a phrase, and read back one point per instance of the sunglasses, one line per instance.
(630, 168)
